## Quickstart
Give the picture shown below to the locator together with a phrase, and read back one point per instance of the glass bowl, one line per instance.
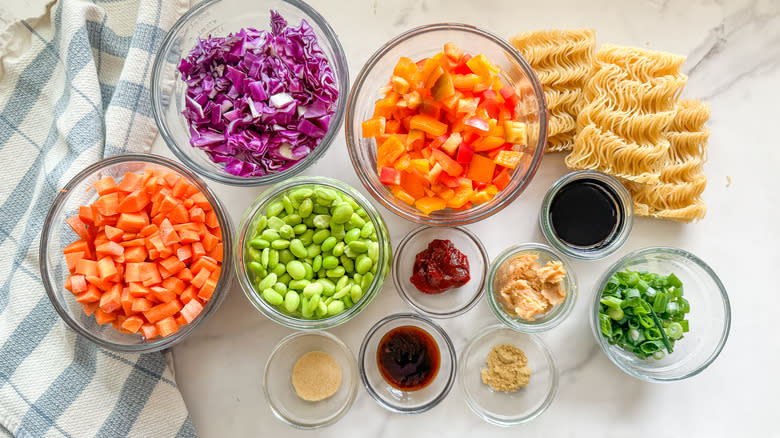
(391, 398)
(295, 320)
(554, 316)
(619, 235)
(57, 235)
(280, 393)
(709, 318)
(218, 18)
(452, 302)
(422, 42)
(508, 408)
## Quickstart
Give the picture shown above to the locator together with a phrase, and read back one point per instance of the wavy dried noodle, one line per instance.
(630, 103)
(562, 60)
(678, 194)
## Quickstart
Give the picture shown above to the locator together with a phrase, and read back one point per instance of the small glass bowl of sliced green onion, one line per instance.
(661, 314)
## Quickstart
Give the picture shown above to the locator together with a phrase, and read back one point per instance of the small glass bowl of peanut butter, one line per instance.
(531, 288)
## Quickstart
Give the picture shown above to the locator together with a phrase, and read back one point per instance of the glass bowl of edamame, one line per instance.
(311, 253)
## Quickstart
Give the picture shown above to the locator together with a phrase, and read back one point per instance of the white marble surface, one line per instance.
(734, 62)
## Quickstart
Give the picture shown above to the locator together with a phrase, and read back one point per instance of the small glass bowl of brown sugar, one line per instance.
(531, 288)
(501, 400)
(310, 379)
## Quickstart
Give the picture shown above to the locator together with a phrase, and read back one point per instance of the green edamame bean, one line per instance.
(321, 310)
(330, 262)
(300, 193)
(270, 235)
(342, 213)
(256, 268)
(336, 272)
(259, 243)
(338, 250)
(322, 221)
(342, 282)
(273, 297)
(280, 244)
(357, 278)
(367, 280)
(328, 288)
(298, 284)
(347, 263)
(300, 229)
(349, 252)
(338, 231)
(356, 221)
(347, 301)
(321, 209)
(312, 289)
(362, 213)
(278, 269)
(264, 257)
(306, 311)
(297, 248)
(306, 207)
(259, 224)
(309, 272)
(321, 273)
(358, 246)
(313, 251)
(363, 264)
(273, 258)
(352, 235)
(293, 219)
(373, 251)
(316, 264)
(367, 230)
(254, 254)
(335, 307)
(355, 293)
(340, 293)
(287, 205)
(286, 232)
(327, 194)
(267, 282)
(309, 221)
(329, 243)
(306, 237)
(291, 301)
(285, 256)
(320, 236)
(280, 287)
(274, 223)
(285, 277)
(274, 209)
(296, 269)
(314, 301)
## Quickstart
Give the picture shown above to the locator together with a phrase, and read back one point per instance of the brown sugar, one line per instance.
(316, 376)
(507, 369)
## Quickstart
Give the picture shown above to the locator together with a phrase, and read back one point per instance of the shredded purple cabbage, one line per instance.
(259, 101)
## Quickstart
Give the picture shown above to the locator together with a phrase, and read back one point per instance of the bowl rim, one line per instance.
(353, 374)
(383, 264)
(541, 324)
(428, 324)
(622, 234)
(223, 283)
(480, 289)
(223, 177)
(484, 414)
(453, 218)
(679, 254)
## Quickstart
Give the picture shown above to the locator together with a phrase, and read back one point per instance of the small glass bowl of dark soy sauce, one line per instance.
(587, 215)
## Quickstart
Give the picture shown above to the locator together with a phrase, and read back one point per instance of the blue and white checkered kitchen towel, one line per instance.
(74, 87)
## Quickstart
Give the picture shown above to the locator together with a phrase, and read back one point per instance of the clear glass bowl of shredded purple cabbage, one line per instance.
(249, 93)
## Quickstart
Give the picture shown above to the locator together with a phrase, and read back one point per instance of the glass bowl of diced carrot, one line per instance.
(135, 252)
(446, 124)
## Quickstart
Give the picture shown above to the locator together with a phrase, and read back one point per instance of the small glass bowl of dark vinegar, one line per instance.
(587, 215)
(407, 363)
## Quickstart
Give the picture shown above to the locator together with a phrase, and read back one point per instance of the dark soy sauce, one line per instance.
(408, 358)
(585, 213)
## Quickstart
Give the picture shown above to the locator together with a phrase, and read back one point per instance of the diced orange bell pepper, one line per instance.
(428, 204)
(389, 151)
(428, 125)
(508, 159)
(374, 127)
(481, 169)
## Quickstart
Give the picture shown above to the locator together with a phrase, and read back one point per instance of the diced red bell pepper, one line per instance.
(465, 153)
(389, 176)
(478, 123)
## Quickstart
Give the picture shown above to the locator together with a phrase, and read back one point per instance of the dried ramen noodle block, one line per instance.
(677, 196)
(630, 105)
(562, 60)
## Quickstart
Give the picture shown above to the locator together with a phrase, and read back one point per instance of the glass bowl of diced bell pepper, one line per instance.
(446, 124)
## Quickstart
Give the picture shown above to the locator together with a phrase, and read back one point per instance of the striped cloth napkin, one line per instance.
(74, 87)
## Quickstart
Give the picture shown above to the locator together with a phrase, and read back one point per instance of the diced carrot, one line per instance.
(133, 272)
(133, 202)
(78, 283)
(87, 267)
(212, 221)
(72, 259)
(197, 250)
(185, 275)
(87, 214)
(110, 248)
(204, 262)
(189, 236)
(114, 234)
(133, 242)
(127, 301)
(191, 310)
(78, 227)
(189, 293)
(184, 253)
(163, 310)
(77, 246)
(149, 331)
(200, 278)
(107, 269)
(141, 305)
(132, 324)
(207, 290)
(149, 230)
(131, 182)
(132, 222)
(89, 308)
(162, 294)
(167, 327)
(105, 186)
(108, 205)
(91, 295)
(135, 254)
(197, 214)
(201, 201)
(174, 284)
(168, 235)
(217, 252)
(102, 317)
(149, 274)
(111, 300)
(179, 215)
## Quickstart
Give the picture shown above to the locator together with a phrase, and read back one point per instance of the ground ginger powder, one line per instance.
(507, 369)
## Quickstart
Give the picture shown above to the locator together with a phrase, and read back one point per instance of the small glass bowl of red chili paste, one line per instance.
(440, 271)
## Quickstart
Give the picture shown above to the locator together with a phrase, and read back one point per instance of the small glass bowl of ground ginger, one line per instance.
(310, 379)
(508, 377)
(531, 288)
